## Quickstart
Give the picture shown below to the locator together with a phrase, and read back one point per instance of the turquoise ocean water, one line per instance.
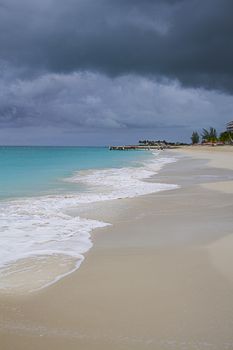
(29, 171)
(44, 192)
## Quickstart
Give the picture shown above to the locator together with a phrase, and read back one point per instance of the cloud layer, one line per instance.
(190, 40)
(91, 101)
(118, 65)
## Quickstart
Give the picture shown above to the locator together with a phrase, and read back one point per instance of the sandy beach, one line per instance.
(160, 277)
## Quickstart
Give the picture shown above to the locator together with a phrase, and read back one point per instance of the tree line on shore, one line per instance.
(211, 136)
(160, 143)
(206, 136)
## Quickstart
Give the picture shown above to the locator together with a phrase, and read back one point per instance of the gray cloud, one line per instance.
(93, 101)
(110, 71)
(190, 40)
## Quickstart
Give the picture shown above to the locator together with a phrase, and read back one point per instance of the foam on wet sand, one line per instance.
(155, 279)
(36, 231)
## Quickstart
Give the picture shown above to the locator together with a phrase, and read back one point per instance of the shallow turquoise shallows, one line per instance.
(32, 171)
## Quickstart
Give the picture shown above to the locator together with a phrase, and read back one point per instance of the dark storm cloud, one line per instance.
(188, 40)
(95, 101)
(105, 71)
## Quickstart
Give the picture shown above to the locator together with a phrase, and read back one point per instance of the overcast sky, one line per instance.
(98, 72)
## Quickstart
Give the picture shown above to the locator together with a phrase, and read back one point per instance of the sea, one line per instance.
(38, 188)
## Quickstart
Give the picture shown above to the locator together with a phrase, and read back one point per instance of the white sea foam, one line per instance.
(123, 182)
(42, 226)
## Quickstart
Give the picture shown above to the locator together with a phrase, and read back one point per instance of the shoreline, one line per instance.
(153, 280)
(217, 156)
(131, 183)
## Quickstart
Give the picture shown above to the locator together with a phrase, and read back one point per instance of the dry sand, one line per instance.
(160, 278)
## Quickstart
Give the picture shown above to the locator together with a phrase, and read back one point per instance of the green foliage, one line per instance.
(209, 135)
(226, 137)
(195, 138)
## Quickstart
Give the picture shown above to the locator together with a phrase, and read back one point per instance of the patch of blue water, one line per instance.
(32, 171)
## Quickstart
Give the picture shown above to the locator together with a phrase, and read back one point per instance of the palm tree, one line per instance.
(195, 138)
(209, 135)
(226, 137)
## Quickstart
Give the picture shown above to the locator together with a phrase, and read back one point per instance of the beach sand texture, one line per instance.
(161, 277)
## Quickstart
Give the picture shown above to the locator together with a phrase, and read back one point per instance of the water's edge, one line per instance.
(50, 243)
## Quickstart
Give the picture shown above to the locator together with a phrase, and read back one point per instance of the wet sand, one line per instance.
(161, 277)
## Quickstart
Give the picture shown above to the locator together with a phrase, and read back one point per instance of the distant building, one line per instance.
(230, 126)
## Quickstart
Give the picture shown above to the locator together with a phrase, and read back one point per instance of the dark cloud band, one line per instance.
(187, 40)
